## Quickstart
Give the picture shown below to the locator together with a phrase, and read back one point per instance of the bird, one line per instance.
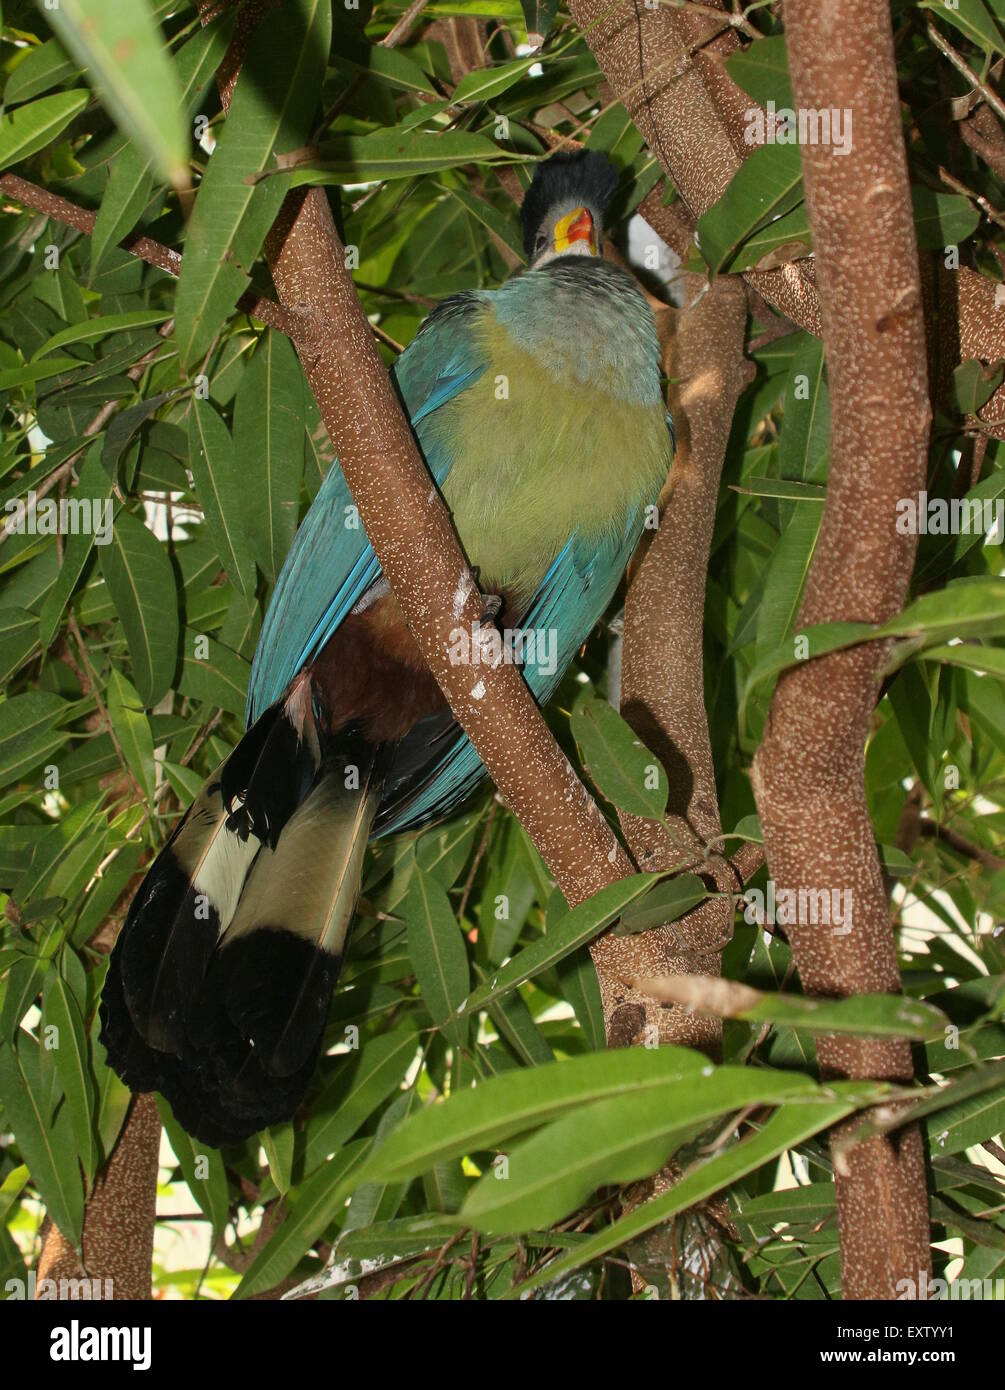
(539, 411)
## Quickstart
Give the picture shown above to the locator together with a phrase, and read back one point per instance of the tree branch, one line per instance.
(118, 1237)
(809, 772)
(662, 681)
(30, 195)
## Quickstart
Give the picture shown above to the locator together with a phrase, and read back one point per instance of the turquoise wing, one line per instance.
(436, 767)
(331, 564)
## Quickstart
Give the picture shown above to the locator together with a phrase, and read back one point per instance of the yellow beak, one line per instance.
(576, 226)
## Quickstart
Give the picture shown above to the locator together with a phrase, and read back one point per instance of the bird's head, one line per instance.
(563, 212)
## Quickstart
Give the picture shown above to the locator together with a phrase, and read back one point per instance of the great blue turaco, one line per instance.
(220, 982)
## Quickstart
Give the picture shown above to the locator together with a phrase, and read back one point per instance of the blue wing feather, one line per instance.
(331, 564)
(436, 766)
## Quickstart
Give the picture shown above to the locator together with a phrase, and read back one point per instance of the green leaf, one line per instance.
(968, 1120)
(581, 988)
(220, 492)
(269, 441)
(38, 70)
(201, 1167)
(781, 490)
(30, 128)
(767, 184)
(132, 731)
(862, 1015)
(70, 1054)
(786, 1128)
(218, 678)
(28, 732)
(665, 902)
(363, 1079)
(971, 18)
(391, 154)
(974, 384)
(505, 228)
(94, 484)
(278, 1142)
(516, 1102)
(133, 173)
(805, 440)
(942, 219)
(572, 930)
(123, 51)
(47, 1144)
(142, 585)
(786, 579)
(762, 70)
(376, 63)
(539, 17)
(618, 762)
(486, 83)
(32, 372)
(18, 640)
(617, 1140)
(270, 114)
(313, 1206)
(436, 948)
(91, 330)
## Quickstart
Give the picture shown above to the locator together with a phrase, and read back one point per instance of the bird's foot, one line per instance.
(492, 606)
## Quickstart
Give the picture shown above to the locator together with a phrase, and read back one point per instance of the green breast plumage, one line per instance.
(564, 432)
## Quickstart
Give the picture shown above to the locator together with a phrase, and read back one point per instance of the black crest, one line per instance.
(584, 176)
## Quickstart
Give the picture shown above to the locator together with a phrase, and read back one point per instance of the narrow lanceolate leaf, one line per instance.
(211, 459)
(270, 115)
(38, 71)
(94, 487)
(617, 1140)
(142, 585)
(28, 129)
(787, 1127)
(47, 1144)
(786, 579)
(435, 946)
(269, 441)
(124, 53)
(29, 731)
(134, 172)
(620, 764)
(363, 1080)
(132, 731)
(804, 444)
(68, 1041)
(201, 1167)
(864, 1015)
(311, 1207)
(665, 903)
(767, 185)
(762, 70)
(394, 154)
(485, 83)
(92, 330)
(518, 1101)
(127, 194)
(570, 931)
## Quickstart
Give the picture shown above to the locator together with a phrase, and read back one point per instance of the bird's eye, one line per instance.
(540, 243)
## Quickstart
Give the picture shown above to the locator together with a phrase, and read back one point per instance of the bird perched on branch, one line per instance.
(539, 413)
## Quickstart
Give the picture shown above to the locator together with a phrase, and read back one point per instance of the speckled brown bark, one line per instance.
(662, 684)
(809, 771)
(118, 1239)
